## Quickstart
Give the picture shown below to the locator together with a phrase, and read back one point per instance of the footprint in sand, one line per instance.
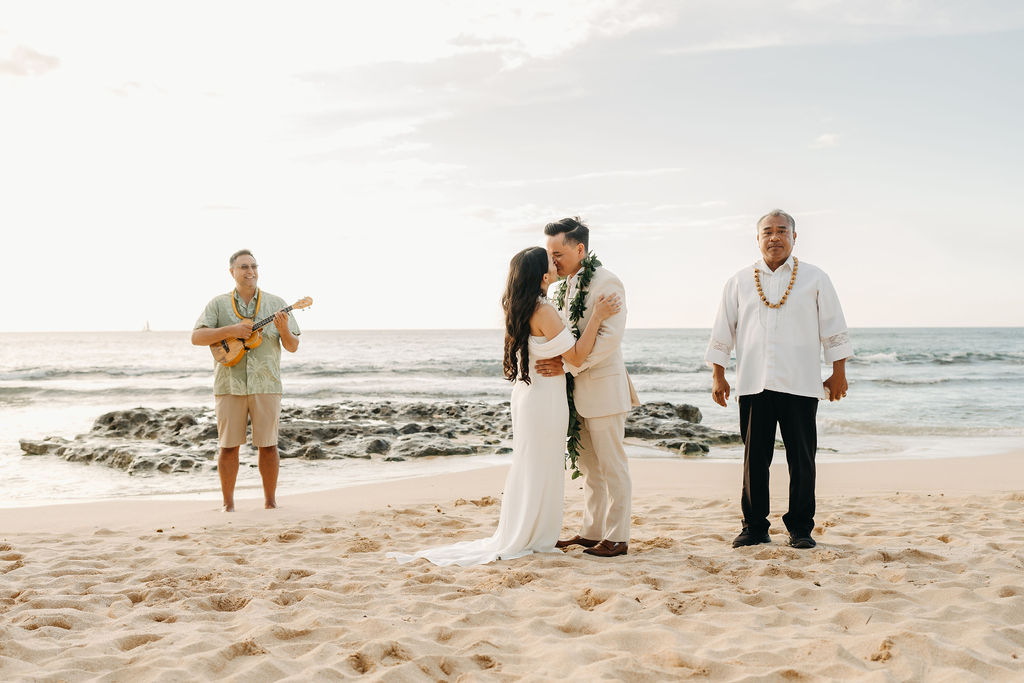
(679, 606)
(132, 642)
(12, 566)
(360, 663)
(289, 598)
(228, 603)
(284, 633)
(484, 661)
(387, 654)
(246, 648)
(292, 574)
(662, 542)
(588, 600)
(884, 652)
(511, 578)
(429, 577)
(34, 623)
(650, 581)
(364, 545)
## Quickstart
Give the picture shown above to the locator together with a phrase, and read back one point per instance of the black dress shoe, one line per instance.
(576, 540)
(802, 542)
(748, 537)
(608, 549)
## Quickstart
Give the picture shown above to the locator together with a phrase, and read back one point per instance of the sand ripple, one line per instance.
(901, 587)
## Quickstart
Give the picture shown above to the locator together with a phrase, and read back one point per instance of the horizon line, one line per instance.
(498, 329)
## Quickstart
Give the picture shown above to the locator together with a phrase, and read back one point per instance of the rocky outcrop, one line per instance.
(185, 439)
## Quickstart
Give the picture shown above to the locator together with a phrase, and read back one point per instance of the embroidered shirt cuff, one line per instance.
(837, 347)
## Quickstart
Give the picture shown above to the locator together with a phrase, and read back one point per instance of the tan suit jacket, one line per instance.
(603, 386)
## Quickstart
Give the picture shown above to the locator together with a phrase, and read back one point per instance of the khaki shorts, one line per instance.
(235, 412)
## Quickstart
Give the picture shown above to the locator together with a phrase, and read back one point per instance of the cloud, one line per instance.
(598, 175)
(711, 204)
(825, 140)
(657, 229)
(708, 26)
(632, 220)
(24, 61)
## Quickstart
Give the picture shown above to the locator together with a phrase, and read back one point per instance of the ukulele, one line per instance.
(230, 351)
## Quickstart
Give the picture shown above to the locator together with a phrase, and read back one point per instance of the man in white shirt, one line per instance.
(779, 315)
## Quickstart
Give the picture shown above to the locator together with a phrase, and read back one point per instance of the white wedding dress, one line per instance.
(531, 507)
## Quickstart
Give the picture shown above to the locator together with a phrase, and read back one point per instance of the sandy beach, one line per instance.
(918, 576)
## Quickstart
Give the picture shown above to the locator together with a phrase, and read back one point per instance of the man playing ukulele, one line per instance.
(250, 389)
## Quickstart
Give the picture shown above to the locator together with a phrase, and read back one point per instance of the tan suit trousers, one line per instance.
(607, 486)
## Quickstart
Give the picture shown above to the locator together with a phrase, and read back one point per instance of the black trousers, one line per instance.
(795, 416)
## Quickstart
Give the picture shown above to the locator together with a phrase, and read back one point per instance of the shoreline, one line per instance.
(691, 477)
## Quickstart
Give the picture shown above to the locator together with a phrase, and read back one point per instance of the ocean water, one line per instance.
(914, 393)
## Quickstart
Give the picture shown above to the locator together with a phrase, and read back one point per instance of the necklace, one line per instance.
(576, 308)
(792, 279)
(259, 293)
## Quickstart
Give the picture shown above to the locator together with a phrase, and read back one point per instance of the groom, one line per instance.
(603, 395)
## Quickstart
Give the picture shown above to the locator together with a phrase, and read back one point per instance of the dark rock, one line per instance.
(141, 440)
(420, 410)
(377, 446)
(664, 410)
(502, 450)
(312, 451)
(394, 458)
(184, 421)
(43, 447)
(420, 445)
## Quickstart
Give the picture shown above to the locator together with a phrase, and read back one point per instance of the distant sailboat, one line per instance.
(146, 328)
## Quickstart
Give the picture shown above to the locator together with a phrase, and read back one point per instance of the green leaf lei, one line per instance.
(576, 308)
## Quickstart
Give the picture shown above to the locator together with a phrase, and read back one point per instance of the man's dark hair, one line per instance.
(573, 229)
(240, 252)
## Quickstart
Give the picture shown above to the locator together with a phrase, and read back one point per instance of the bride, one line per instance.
(531, 508)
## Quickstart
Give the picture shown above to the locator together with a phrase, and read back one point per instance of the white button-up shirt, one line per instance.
(779, 349)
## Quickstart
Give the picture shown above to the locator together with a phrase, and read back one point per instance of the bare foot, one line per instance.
(229, 507)
(270, 505)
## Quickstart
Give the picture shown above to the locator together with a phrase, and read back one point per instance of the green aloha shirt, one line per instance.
(259, 372)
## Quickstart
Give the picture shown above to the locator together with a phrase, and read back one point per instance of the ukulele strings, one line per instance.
(269, 319)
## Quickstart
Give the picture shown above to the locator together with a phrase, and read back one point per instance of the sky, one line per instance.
(388, 158)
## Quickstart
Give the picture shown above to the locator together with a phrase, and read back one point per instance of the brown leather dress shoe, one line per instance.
(608, 549)
(576, 540)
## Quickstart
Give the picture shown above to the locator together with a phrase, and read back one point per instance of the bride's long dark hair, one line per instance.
(525, 276)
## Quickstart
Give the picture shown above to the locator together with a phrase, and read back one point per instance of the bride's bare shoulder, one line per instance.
(544, 311)
(546, 320)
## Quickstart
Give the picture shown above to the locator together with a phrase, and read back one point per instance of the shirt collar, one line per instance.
(241, 304)
(763, 267)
